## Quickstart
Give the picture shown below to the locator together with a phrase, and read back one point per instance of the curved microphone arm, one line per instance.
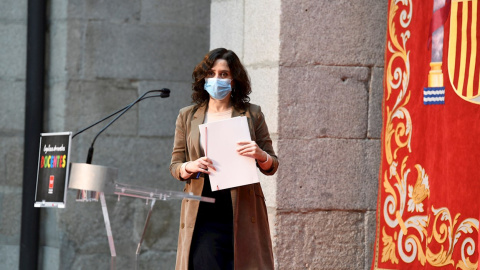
(99, 121)
(164, 93)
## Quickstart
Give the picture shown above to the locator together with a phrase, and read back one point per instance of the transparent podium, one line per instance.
(94, 181)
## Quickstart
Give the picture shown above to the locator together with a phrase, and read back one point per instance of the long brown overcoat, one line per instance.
(252, 243)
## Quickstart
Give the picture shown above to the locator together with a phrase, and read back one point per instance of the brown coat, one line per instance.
(252, 243)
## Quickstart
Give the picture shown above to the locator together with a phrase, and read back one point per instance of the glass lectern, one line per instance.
(101, 180)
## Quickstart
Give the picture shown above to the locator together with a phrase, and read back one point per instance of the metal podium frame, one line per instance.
(101, 180)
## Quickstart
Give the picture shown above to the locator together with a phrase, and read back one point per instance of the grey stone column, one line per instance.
(331, 60)
(316, 69)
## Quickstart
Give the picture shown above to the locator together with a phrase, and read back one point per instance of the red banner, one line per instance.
(429, 181)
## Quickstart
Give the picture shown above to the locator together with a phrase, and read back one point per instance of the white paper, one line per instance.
(221, 138)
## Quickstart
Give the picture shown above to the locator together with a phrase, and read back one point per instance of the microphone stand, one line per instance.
(84, 195)
(87, 195)
(90, 151)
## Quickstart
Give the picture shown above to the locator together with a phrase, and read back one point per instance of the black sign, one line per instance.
(53, 166)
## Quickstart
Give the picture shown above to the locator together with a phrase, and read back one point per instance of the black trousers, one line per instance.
(212, 241)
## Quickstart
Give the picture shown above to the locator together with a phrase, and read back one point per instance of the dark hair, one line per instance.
(241, 88)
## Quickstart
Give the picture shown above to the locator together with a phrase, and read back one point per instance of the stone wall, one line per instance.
(316, 69)
(13, 39)
(101, 55)
(331, 68)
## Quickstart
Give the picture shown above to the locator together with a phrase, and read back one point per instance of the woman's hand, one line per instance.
(251, 149)
(202, 164)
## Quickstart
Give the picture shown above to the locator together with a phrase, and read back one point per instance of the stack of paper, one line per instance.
(219, 141)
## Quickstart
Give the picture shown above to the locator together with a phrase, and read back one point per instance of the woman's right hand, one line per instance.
(202, 164)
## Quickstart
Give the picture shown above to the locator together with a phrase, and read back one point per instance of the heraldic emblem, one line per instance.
(463, 49)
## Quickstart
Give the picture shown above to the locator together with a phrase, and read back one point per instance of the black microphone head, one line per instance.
(163, 90)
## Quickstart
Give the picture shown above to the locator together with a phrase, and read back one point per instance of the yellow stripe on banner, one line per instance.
(463, 49)
(452, 41)
(473, 51)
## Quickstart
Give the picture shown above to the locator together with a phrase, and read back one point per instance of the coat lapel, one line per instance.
(237, 112)
(197, 120)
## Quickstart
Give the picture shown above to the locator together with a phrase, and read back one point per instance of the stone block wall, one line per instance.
(330, 91)
(13, 39)
(102, 55)
(316, 69)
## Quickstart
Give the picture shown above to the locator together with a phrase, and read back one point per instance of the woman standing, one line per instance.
(233, 232)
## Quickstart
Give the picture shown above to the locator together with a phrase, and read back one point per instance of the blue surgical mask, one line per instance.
(218, 88)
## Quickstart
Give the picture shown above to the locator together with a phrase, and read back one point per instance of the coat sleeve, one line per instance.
(262, 138)
(179, 147)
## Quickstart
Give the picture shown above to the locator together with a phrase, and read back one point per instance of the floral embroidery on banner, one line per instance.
(403, 207)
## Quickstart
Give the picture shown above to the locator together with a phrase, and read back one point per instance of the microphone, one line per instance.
(164, 93)
(83, 195)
